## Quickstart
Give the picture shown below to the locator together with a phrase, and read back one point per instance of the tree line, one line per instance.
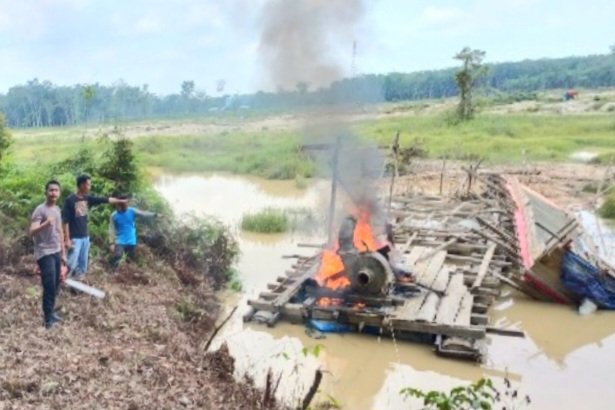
(41, 103)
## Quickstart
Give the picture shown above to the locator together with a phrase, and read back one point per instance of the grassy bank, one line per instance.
(501, 138)
(607, 210)
(507, 138)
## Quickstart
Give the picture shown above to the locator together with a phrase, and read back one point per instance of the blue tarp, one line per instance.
(586, 281)
(327, 326)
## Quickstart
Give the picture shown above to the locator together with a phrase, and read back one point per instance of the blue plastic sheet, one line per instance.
(586, 281)
(326, 326)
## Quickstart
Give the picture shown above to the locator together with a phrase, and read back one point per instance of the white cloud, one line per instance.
(147, 24)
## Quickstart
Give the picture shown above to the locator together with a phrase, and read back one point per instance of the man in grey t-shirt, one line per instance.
(46, 232)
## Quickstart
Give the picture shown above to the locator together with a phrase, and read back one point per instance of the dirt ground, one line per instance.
(588, 102)
(142, 347)
(567, 184)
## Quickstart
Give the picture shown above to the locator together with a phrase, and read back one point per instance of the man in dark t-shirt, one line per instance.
(75, 216)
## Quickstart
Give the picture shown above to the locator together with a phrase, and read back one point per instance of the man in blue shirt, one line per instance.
(123, 231)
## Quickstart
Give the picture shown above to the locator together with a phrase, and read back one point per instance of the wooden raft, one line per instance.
(424, 315)
(459, 251)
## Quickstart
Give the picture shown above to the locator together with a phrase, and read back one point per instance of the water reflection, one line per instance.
(565, 362)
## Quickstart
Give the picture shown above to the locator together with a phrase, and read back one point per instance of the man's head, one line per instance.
(84, 184)
(52, 191)
(122, 206)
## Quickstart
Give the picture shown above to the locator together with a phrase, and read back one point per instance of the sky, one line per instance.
(164, 42)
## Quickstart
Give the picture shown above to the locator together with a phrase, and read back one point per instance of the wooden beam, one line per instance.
(484, 266)
(432, 252)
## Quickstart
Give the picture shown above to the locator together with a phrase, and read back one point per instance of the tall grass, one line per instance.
(269, 220)
(607, 210)
(502, 138)
(505, 138)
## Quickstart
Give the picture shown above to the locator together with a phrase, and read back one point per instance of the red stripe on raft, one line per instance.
(545, 289)
(521, 231)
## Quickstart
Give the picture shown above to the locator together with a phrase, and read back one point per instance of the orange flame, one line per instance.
(330, 273)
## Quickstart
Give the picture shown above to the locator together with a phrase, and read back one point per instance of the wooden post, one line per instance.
(334, 178)
(395, 149)
(442, 174)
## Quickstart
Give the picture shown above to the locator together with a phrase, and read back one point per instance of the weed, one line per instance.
(607, 210)
(269, 220)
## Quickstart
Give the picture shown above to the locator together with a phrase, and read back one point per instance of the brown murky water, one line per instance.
(565, 362)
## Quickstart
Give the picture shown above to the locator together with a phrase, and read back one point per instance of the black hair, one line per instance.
(51, 182)
(81, 179)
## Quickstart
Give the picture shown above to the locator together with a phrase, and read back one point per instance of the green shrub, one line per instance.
(607, 210)
(200, 245)
(269, 220)
(5, 138)
(300, 182)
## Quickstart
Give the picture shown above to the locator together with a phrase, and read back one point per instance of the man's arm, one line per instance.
(145, 214)
(37, 223)
(112, 232)
(63, 244)
(67, 242)
(66, 218)
(114, 201)
(97, 200)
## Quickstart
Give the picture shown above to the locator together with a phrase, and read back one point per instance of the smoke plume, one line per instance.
(301, 39)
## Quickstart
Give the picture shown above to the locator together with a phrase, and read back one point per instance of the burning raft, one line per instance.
(432, 279)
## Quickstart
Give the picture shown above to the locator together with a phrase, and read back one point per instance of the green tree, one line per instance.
(302, 87)
(87, 93)
(467, 78)
(5, 138)
(187, 89)
(120, 167)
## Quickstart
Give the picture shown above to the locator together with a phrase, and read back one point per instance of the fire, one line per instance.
(329, 274)
(364, 239)
(325, 301)
(331, 271)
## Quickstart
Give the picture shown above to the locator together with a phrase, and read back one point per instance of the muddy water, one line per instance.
(565, 362)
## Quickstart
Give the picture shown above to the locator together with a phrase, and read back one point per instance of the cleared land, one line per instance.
(544, 129)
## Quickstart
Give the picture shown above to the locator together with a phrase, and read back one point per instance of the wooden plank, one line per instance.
(473, 332)
(293, 288)
(434, 251)
(276, 286)
(429, 308)
(505, 332)
(449, 305)
(464, 314)
(408, 243)
(484, 266)
(260, 304)
(427, 271)
(481, 320)
(268, 295)
(479, 307)
(415, 253)
(440, 283)
(410, 309)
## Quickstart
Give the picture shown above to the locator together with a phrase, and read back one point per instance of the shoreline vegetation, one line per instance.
(142, 344)
(276, 154)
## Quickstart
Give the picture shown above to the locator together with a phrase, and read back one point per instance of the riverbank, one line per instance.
(141, 347)
(145, 344)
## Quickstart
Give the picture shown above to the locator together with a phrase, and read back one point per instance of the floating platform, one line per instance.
(460, 251)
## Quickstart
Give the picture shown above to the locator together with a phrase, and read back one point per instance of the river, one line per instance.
(565, 361)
